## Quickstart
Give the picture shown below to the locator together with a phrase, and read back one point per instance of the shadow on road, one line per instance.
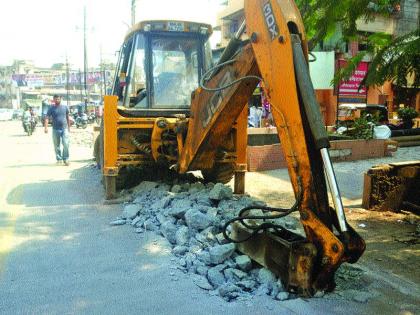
(83, 187)
(51, 164)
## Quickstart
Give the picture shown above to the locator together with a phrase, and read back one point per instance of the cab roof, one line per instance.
(170, 26)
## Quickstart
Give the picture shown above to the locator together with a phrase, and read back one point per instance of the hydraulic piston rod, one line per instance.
(335, 192)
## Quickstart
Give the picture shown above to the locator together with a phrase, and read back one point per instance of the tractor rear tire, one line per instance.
(219, 173)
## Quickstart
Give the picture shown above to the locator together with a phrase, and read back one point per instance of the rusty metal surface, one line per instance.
(286, 254)
(214, 114)
(214, 132)
(272, 50)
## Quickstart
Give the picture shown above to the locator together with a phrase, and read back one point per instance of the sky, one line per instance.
(46, 31)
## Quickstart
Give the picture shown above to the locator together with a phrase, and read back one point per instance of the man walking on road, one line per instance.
(61, 129)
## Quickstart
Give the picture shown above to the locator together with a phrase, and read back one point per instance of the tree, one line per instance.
(322, 17)
(394, 59)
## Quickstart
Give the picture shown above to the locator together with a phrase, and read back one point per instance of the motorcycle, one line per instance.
(82, 121)
(29, 125)
(91, 118)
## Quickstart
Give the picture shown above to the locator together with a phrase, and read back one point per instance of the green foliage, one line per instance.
(375, 44)
(345, 73)
(361, 129)
(407, 113)
(321, 18)
(393, 59)
(396, 61)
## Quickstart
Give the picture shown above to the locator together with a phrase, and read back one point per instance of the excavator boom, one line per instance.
(277, 55)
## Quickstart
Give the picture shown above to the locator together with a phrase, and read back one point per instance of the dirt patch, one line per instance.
(392, 240)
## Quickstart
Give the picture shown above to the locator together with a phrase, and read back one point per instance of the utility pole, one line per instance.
(85, 63)
(67, 81)
(133, 12)
(80, 85)
(102, 68)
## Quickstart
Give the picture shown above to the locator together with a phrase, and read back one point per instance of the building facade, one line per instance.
(23, 84)
(404, 20)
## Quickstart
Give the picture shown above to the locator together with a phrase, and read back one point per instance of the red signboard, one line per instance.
(352, 86)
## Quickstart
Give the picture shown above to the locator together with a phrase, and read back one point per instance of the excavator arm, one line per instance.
(277, 54)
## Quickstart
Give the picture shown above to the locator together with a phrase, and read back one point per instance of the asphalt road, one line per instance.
(58, 254)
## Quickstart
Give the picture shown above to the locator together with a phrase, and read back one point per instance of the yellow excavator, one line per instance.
(173, 108)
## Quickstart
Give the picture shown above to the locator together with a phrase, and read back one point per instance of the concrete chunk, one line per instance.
(182, 235)
(247, 285)
(215, 276)
(179, 250)
(220, 192)
(219, 253)
(176, 189)
(130, 211)
(243, 262)
(169, 230)
(117, 222)
(145, 186)
(202, 282)
(282, 296)
(229, 290)
(197, 220)
(266, 277)
(179, 207)
(204, 257)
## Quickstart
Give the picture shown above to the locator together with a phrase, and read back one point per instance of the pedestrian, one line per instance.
(61, 129)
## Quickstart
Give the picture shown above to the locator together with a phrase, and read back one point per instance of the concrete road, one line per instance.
(58, 254)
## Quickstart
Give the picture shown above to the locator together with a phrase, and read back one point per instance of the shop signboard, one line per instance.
(351, 91)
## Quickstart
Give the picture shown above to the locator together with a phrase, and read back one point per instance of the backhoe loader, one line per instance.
(158, 115)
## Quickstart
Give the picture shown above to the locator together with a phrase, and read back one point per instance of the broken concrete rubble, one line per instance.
(130, 211)
(219, 253)
(118, 222)
(197, 220)
(191, 217)
(220, 192)
(243, 262)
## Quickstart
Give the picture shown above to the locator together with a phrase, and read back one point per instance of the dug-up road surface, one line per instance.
(59, 255)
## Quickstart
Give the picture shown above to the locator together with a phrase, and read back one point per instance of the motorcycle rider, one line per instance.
(28, 119)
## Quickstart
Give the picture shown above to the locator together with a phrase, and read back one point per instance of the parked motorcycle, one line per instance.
(82, 121)
(91, 118)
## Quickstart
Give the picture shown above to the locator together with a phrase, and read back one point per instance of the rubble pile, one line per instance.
(191, 217)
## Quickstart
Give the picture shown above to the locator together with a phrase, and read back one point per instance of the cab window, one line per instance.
(175, 71)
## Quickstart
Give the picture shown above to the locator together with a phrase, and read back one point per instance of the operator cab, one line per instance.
(159, 66)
